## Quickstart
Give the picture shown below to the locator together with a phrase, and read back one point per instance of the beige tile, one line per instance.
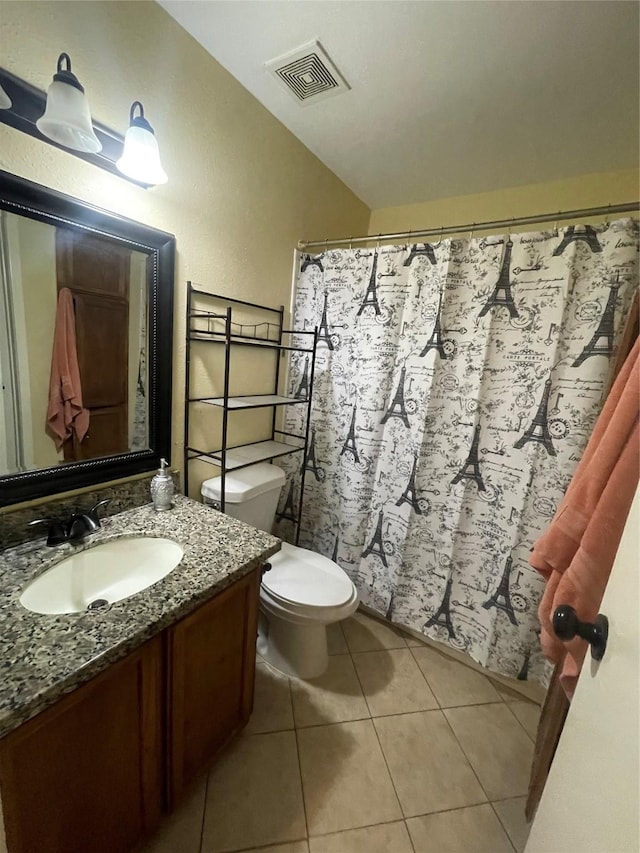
(529, 716)
(384, 838)
(365, 634)
(497, 747)
(428, 768)
(334, 697)
(453, 683)
(181, 830)
(470, 830)
(336, 643)
(254, 795)
(392, 682)
(291, 847)
(345, 779)
(272, 710)
(511, 814)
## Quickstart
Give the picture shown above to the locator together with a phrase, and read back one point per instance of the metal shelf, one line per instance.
(246, 454)
(250, 401)
(265, 335)
(218, 338)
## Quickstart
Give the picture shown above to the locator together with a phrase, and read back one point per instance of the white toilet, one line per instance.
(302, 593)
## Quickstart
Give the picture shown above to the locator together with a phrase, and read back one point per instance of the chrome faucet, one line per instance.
(79, 525)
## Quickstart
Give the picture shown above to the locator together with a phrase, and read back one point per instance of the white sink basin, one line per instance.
(107, 572)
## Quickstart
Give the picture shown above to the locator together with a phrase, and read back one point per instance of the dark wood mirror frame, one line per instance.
(26, 198)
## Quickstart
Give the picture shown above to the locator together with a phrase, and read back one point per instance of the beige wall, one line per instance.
(242, 190)
(571, 194)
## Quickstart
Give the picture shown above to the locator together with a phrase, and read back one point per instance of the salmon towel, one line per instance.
(65, 413)
(577, 551)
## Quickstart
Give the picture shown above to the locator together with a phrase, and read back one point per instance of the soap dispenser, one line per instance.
(162, 488)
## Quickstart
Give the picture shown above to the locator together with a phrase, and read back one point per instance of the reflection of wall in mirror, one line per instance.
(138, 396)
(34, 263)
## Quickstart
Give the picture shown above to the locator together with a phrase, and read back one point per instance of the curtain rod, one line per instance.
(477, 226)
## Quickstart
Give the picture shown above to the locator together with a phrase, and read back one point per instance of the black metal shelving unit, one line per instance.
(218, 327)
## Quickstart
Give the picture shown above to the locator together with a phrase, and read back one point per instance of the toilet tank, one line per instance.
(251, 494)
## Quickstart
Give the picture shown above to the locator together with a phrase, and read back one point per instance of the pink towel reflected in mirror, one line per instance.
(66, 414)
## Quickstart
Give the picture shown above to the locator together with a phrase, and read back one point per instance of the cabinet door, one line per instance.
(86, 774)
(212, 656)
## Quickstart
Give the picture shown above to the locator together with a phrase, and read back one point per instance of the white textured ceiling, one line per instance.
(448, 97)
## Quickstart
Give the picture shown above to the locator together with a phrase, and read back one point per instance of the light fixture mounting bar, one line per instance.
(28, 105)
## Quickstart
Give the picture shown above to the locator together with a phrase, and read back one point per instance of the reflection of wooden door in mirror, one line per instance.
(97, 273)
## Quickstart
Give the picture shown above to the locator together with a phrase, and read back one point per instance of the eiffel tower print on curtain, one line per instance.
(601, 342)
(371, 296)
(397, 408)
(289, 509)
(501, 598)
(376, 546)
(425, 251)
(586, 234)
(435, 340)
(302, 391)
(538, 429)
(324, 332)
(410, 496)
(310, 463)
(502, 296)
(349, 445)
(309, 261)
(471, 468)
(442, 616)
(523, 675)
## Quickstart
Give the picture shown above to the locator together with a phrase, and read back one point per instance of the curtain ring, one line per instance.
(326, 240)
(555, 227)
(351, 242)
(378, 243)
(606, 219)
(409, 237)
(473, 228)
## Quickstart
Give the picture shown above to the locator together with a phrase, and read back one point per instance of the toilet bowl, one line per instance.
(301, 593)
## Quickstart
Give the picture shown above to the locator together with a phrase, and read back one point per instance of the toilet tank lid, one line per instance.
(244, 484)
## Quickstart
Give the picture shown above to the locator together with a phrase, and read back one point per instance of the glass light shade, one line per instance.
(67, 119)
(141, 156)
(5, 100)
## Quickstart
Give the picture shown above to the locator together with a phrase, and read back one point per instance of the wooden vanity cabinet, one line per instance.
(92, 773)
(86, 774)
(211, 670)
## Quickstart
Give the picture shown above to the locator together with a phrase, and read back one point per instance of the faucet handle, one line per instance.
(55, 530)
(93, 512)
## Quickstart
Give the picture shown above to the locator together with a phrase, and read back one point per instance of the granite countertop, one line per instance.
(44, 657)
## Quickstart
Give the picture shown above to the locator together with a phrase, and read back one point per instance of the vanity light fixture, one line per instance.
(141, 157)
(5, 100)
(66, 118)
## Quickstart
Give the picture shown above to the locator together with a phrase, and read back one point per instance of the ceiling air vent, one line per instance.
(308, 74)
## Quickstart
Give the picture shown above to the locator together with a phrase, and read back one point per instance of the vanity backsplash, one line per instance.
(125, 495)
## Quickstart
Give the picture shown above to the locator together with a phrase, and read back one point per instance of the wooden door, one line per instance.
(591, 801)
(211, 665)
(86, 774)
(97, 272)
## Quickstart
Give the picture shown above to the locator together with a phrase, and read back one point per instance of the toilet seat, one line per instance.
(302, 578)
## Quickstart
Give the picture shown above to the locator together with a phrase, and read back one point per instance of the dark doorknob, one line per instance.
(567, 625)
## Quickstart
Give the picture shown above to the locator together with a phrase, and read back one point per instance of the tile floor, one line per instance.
(396, 749)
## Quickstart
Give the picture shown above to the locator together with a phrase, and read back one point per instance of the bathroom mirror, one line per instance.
(86, 301)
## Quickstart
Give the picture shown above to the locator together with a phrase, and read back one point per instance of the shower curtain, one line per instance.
(455, 388)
